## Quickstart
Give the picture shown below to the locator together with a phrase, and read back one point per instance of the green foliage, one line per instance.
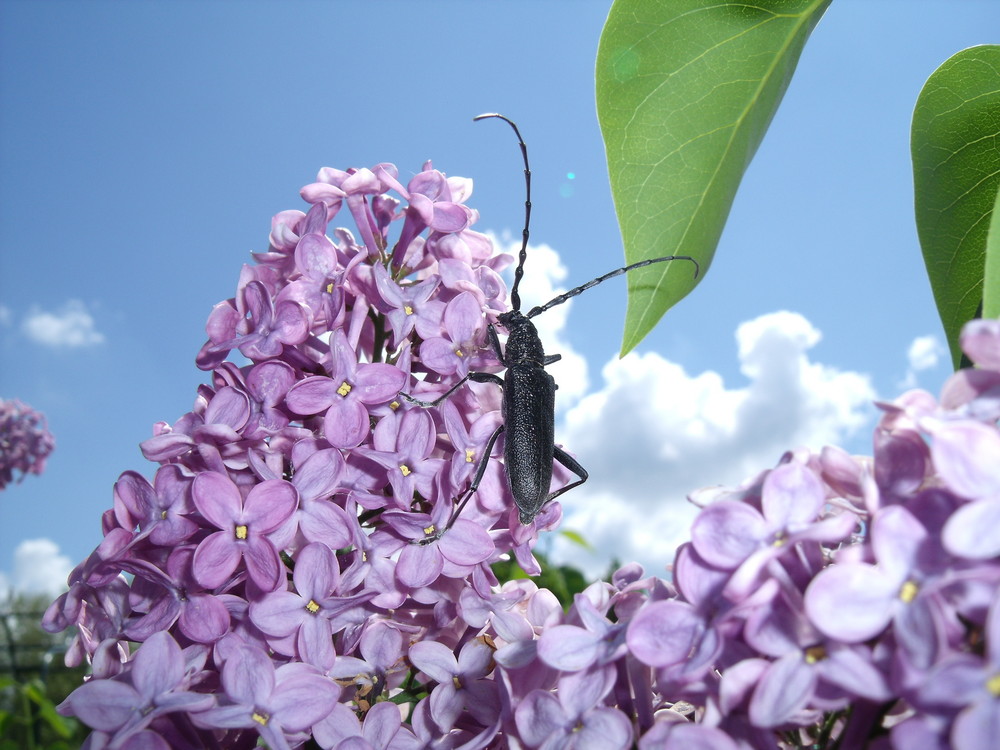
(685, 91)
(33, 681)
(956, 173)
(991, 272)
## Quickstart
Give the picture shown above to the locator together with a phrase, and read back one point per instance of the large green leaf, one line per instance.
(991, 273)
(955, 143)
(685, 91)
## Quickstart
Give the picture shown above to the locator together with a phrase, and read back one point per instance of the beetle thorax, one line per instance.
(523, 344)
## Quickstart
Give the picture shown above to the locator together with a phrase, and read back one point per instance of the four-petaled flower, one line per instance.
(243, 528)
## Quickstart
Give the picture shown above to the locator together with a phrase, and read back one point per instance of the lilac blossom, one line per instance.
(158, 686)
(243, 528)
(273, 702)
(25, 441)
(301, 537)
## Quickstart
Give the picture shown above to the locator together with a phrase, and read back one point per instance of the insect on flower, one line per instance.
(528, 390)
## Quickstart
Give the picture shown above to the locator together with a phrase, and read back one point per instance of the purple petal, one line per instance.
(346, 423)
(325, 522)
(302, 697)
(104, 705)
(538, 717)
(269, 504)
(312, 395)
(604, 729)
(419, 565)
(158, 666)
(785, 687)
(980, 339)
(315, 642)
(466, 543)
(215, 559)
(434, 659)
(377, 383)
(967, 457)
(382, 645)
(204, 618)
(792, 496)
(475, 660)
(851, 602)
(973, 531)
(217, 498)
(726, 532)
(264, 564)
(248, 676)
(279, 613)
(463, 317)
(446, 703)
(978, 726)
(316, 256)
(382, 722)
(316, 572)
(568, 647)
(664, 633)
(319, 474)
(228, 407)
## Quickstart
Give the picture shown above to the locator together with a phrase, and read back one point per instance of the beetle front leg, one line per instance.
(475, 377)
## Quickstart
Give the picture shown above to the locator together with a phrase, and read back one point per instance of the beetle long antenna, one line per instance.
(515, 300)
(617, 272)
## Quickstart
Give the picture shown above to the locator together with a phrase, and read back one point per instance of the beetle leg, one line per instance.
(573, 465)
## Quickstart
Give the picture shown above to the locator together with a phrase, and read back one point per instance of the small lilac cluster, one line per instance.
(294, 574)
(25, 441)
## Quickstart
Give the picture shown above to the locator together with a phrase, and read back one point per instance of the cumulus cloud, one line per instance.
(925, 353)
(38, 568)
(71, 326)
(653, 433)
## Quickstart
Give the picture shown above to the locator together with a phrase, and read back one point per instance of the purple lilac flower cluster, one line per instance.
(293, 574)
(25, 441)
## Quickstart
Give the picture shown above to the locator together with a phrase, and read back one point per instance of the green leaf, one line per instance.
(577, 538)
(955, 144)
(991, 274)
(685, 92)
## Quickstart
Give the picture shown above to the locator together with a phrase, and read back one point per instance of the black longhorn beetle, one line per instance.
(528, 406)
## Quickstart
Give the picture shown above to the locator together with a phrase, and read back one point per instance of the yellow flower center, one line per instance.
(429, 530)
(993, 685)
(394, 405)
(405, 469)
(408, 310)
(312, 606)
(814, 654)
(261, 719)
(470, 455)
(241, 532)
(344, 389)
(459, 352)
(908, 592)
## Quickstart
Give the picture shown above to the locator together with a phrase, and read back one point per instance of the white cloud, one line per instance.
(653, 433)
(38, 569)
(70, 326)
(925, 353)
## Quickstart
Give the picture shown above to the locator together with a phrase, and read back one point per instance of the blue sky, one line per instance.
(145, 146)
